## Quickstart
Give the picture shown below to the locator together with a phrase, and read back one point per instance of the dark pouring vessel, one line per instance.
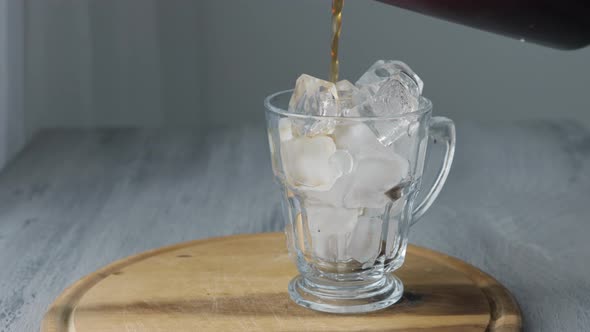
(561, 24)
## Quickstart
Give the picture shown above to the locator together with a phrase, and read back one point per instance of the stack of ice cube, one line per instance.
(342, 168)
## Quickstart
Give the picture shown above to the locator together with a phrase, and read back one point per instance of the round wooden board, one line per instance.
(239, 283)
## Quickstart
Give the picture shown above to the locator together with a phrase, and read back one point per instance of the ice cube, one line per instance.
(394, 89)
(330, 229)
(374, 170)
(383, 70)
(389, 132)
(342, 160)
(285, 129)
(312, 127)
(394, 99)
(396, 95)
(349, 96)
(333, 197)
(359, 140)
(313, 163)
(367, 186)
(307, 162)
(365, 242)
(315, 97)
(372, 178)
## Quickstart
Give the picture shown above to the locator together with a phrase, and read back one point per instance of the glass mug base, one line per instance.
(350, 299)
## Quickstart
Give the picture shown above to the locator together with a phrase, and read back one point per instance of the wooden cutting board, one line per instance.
(239, 283)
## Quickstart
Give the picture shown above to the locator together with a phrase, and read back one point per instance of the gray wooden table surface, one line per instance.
(517, 205)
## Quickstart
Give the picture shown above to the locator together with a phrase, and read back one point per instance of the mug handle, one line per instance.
(441, 129)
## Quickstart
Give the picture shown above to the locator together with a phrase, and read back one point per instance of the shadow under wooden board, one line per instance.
(239, 283)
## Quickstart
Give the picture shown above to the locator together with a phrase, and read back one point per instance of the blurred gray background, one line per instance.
(152, 63)
(516, 203)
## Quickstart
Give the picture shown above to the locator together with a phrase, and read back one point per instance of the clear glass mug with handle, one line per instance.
(349, 193)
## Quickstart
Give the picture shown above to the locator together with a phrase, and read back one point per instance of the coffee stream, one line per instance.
(336, 28)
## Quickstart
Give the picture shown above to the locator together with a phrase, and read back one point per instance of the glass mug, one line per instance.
(349, 190)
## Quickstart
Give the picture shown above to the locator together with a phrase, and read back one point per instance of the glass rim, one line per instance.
(425, 107)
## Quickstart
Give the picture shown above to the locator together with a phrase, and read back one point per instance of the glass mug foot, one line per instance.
(348, 298)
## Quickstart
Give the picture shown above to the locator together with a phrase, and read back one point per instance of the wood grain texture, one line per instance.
(515, 205)
(240, 283)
